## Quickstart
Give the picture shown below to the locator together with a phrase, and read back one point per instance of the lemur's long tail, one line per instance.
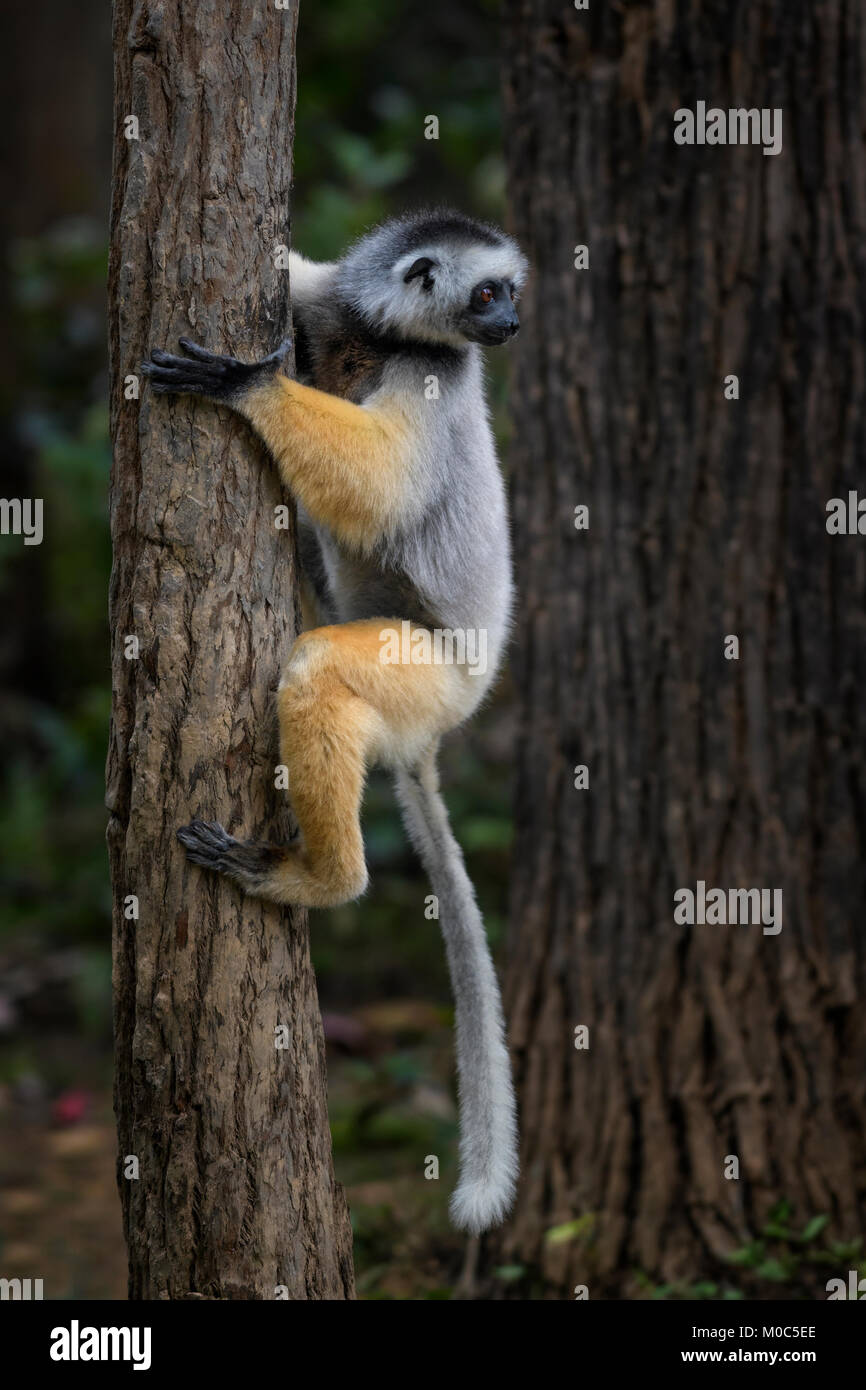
(488, 1113)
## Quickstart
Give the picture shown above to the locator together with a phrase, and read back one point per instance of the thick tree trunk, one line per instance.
(235, 1195)
(707, 518)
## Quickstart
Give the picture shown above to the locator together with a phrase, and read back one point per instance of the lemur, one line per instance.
(402, 522)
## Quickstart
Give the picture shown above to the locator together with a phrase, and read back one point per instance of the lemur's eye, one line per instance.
(485, 294)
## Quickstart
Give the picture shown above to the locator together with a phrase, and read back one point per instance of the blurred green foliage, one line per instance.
(367, 80)
(781, 1255)
(56, 697)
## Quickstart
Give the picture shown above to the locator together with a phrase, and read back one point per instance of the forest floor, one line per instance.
(60, 1216)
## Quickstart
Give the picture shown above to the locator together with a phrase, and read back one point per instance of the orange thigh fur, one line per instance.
(341, 709)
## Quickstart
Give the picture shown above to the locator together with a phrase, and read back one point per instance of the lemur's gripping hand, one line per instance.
(204, 373)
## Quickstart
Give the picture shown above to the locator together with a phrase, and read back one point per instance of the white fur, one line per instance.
(308, 279)
(488, 1110)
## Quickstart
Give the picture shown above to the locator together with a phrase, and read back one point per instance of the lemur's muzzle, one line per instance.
(494, 334)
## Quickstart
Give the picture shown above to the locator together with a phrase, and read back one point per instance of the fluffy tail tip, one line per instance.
(476, 1205)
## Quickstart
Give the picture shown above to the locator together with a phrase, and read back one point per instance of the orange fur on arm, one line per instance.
(348, 465)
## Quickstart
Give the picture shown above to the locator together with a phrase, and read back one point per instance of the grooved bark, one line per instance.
(236, 1193)
(707, 517)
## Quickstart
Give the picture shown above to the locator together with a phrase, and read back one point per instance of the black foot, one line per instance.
(204, 373)
(248, 861)
(206, 843)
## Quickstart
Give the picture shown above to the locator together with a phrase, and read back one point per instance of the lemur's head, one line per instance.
(436, 276)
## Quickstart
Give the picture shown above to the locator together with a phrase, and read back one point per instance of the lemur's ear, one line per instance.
(421, 267)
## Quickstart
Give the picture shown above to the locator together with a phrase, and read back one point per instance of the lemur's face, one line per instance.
(490, 317)
(441, 306)
(435, 277)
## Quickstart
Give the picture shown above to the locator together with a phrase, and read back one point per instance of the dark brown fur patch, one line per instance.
(348, 367)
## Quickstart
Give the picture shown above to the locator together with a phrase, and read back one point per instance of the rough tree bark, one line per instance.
(707, 517)
(236, 1193)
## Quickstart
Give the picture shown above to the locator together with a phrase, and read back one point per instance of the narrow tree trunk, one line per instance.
(707, 518)
(235, 1194)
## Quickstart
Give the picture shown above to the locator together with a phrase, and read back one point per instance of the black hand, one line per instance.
(204, 373)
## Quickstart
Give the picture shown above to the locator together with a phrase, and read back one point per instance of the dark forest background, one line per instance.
(367, 77)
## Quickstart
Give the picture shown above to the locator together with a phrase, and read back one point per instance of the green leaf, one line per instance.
(570, 1230)
(813, 1228)
(846, 1249)
(750, 1254)
(776, 1232)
